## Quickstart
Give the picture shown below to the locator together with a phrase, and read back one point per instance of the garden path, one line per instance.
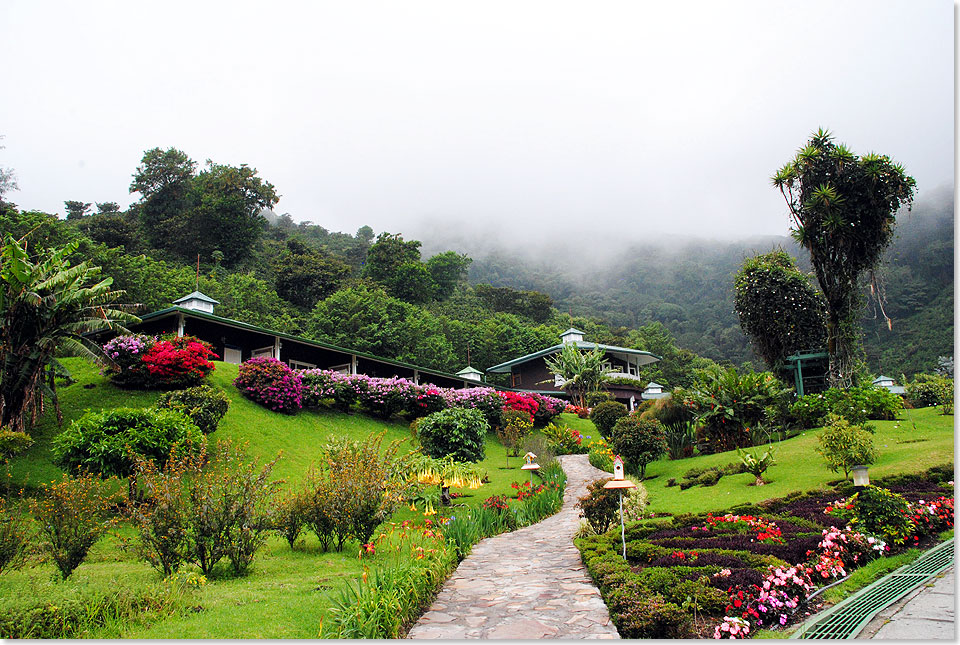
(528, 583)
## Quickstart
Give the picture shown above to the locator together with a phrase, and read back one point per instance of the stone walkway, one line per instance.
(927, 613)
(529, 583)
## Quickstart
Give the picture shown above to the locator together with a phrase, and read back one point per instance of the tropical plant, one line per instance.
(843, 209)
(756, 466)
(47, 307)
(844, 445)
(727, 403)
(580, 372)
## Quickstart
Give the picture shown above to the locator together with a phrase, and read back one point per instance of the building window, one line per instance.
(343, 369)
(262, 351)
(516, 380)
(299, 365)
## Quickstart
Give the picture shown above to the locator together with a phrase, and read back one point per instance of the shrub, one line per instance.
(205, 405)
(929, 390)
(13, 443)
(521, 402)
(289, 516)
(883, 513)
(14, 536)
(178, 362)
(639, 441)
(593, 399)
(605, 416)
(564, 440)
(856, 404)
(102, 442)
(204, 513)
(456, 432)
(270, 383)
(639, 614)
(726, 404)
(601, 506)
(485, 399)
(548, 409)
(384, 397)
(844, 445)
(514, 426)
(424, 400)
(351, 491)
(126, 367)
(72, 515)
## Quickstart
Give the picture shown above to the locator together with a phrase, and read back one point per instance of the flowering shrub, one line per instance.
(929, 390)
(270, 383)
(880, 512)
(583, 413)
(485, 399)
(384, 397)
(932, 517)
(126, 357)
(563, 440)
(520, 401)
(548, 409)
(496, 503)
(773, 601)
(178, 362)
(856, 404)
(341, 390)
(425, 400)
(841, 549)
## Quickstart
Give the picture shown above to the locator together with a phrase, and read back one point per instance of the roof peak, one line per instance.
(196, 295)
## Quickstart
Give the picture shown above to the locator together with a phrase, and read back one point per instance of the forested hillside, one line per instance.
(462, 303)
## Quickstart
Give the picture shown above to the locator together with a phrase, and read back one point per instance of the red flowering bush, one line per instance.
(548, 408)
(521, 402)
(271, 384)
(178, 362)
(496, 503)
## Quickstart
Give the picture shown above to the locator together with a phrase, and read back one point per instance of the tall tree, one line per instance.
(163, 179)
(75, 209)
(843, 209)
(779, 309)
(107, 207)
(447, 269)
(47, 306)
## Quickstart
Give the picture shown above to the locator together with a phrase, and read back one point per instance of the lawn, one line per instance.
(287, 590)
(921, 439)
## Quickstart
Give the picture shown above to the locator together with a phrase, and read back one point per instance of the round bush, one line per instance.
(177, 362)
(270, 383)
(638, 441)
(458, 432)
(101, 441)
(606, 414)
(205, 405)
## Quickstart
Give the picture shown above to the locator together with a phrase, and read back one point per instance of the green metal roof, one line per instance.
(196, 295)
(503, 368)
(298, 339)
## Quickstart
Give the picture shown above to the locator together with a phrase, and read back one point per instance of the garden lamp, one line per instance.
(860, 476)
(620, 482)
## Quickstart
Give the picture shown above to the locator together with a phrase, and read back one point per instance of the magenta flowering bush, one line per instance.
(341, 391)
(549, 408)
(486, 399)
(270, 383)
(126, 356)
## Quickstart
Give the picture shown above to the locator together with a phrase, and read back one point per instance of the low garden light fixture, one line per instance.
(620, 482)
(860, 476)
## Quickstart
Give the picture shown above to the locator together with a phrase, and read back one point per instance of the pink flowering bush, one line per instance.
(548, 408)
(486, 399)
(270, 383)
(126, 368)
(732, 627)
(327, 387)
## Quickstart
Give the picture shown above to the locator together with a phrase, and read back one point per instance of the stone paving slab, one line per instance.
(525, 584)
(927, 613)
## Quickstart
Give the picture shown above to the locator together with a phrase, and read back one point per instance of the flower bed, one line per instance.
(724, 575)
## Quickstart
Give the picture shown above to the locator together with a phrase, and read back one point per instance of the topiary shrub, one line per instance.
(606, 414)
(270, 383)
(102, 442)
(638, 441)
(458, 432)
(205, 405)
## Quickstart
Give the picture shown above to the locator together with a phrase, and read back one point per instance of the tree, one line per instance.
(107, 207)
(387, 254)
(8, 179)
(75, 209)
(47, 306)
(305, 277)
(447, 269)
(638, 441)
(779, 309)
(163, 178)
(843, 209)
(582, 372)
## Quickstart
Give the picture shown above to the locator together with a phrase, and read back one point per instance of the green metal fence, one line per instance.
(846, 619)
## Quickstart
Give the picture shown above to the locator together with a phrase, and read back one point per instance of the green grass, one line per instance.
(922, 439)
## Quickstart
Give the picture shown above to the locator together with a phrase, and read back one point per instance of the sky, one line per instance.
(617, 120)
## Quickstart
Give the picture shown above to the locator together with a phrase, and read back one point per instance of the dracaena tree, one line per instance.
(843, 208)
(581, 372)
(46, 306)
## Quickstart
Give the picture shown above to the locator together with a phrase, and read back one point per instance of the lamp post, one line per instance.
(620, 483)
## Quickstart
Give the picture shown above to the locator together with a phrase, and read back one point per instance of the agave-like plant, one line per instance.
(47, 306)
